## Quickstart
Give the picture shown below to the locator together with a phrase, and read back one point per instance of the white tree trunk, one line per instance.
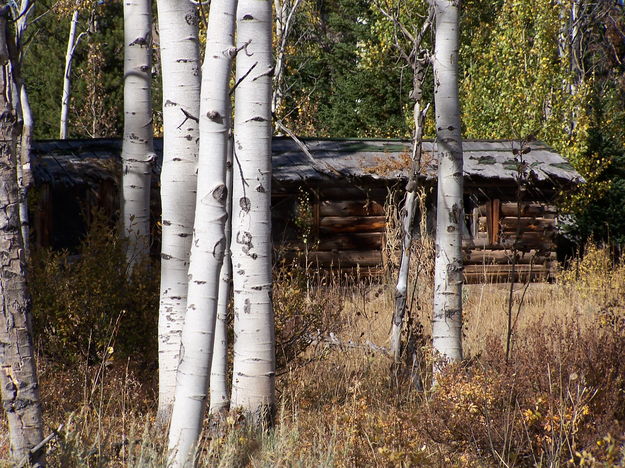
(447, 316)
(253, 386)
(209, 240)
(178, 20)
(137, 151)
(219, 396)
(18, 379)
(24, 176)
(67, 76)
(285, 14)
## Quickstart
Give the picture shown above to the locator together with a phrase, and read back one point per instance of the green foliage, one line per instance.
(335, 90)
(97, 70)
(519, 80)
(89, 307)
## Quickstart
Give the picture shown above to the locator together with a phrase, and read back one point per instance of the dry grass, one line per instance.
(560, 400)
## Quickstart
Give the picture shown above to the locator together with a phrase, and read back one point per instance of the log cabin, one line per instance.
(330, 199)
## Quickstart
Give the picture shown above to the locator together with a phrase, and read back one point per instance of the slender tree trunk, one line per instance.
(447, 317)
(180, 63)
(209, 241)
(18, 378)
(137, 152)
(253, 386)
(67, 76)
(285, 14)
(24, 176)
(409, 212)
(219, 396)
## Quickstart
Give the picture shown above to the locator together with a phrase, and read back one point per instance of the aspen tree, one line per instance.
(253, 385)
(19, 389)
(209, 241)
(137, 150)
(447, 315)
(180, 60)
(219, 396)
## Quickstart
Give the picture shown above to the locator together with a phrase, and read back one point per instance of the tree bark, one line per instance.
(253, 386)
(219, 396)
(447, 316)
(410, 207)
(25, 116)
(67, 75)
(180, 62)
(18, 377)
(137, 151)
(207, 249)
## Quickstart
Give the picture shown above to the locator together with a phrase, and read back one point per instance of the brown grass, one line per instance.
(560, 400)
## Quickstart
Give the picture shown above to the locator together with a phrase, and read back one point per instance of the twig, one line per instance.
(33, 451)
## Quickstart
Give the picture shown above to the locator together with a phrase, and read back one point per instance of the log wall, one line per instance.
(508, 233)
(348, 230)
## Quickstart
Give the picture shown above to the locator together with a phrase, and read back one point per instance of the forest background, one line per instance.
(552, 70)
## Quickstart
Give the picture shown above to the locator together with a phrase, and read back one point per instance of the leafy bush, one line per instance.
(90, 306)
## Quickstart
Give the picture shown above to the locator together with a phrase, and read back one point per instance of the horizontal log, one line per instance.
(504, 257)
(546, 237)
(527, 209)
(329, 224)
(527, 224)
(351, 193)
(351, 208)
(489, 269)
(476, 278)
(354, 241)
(339, 258)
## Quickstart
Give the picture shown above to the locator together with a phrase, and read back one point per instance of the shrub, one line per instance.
(90, 306)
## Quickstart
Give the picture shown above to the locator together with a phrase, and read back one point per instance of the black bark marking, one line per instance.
(245, 204)
(220, 193)
(248, 18)
(215, 116)
(260, 188)
(247, 306)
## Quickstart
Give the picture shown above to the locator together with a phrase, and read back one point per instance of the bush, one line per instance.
(90, 306)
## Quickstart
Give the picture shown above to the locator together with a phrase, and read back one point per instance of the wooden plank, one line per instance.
(351, 208)
(330, 224)
(354, 241)
(493, 221)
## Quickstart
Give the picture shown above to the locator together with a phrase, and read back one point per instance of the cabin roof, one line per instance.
(79, 161)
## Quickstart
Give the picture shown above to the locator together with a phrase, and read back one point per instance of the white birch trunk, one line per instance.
(447, 316)
(24, 176)
(219, 396)
(253, 385)
(19, 389)
(137, 150)
(285, 13)
(180, 63)
(209, 240)
(67, 76)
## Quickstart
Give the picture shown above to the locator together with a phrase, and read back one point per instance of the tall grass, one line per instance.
(559, 400)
